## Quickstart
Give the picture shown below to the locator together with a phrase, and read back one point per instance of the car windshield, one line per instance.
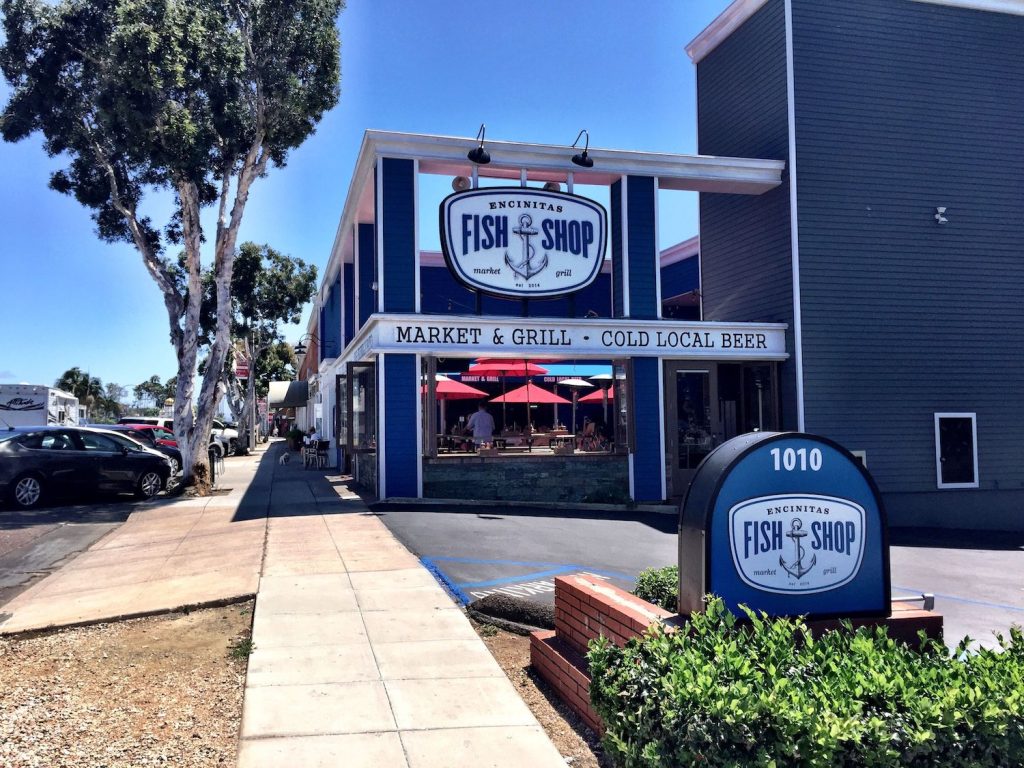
(162, 434)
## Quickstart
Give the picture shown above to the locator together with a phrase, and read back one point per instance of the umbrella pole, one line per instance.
(529, 425)
(604, 398)
(575, 394)
(444, 416)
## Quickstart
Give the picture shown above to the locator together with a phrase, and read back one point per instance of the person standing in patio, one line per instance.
(482, 425)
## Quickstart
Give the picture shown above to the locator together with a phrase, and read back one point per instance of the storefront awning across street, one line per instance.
(288, 394)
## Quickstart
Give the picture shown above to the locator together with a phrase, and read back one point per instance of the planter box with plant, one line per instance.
(723, 691)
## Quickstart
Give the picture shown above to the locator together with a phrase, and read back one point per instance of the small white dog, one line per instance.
(285, 458)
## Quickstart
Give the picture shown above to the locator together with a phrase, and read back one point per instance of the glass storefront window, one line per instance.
(622, 370)
(362, 407)
(428, 395)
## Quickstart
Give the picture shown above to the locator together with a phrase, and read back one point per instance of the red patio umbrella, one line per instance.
(446, 389)
(530, 393)
(599, 396)
(490, 366)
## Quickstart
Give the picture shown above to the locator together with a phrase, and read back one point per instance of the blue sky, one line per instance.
(532, 70)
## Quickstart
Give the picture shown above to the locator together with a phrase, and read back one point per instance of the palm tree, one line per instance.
(88, 389)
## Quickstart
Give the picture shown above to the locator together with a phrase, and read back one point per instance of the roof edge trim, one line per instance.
(727, 22)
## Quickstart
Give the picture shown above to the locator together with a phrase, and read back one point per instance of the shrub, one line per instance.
(659, 586)
(763, 692)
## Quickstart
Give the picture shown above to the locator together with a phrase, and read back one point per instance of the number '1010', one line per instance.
(800, 458)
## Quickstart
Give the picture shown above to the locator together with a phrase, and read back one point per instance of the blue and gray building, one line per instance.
(893, 247)
(860, 170)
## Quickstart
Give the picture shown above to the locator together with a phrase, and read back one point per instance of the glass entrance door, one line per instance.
(693, 423)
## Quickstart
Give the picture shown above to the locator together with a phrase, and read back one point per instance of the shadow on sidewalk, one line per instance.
(288, 489)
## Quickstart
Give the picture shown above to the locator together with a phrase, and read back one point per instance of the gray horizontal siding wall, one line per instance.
(901, 107)
(746, 266)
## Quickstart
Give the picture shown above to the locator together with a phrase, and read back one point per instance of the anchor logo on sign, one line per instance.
(526, 268)
(797, 569)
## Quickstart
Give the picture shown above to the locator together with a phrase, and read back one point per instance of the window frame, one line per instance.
(973, 416)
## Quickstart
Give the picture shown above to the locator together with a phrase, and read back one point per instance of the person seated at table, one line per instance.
(311, 437)
(481, 424)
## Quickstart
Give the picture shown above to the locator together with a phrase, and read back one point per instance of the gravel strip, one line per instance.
(160, 691)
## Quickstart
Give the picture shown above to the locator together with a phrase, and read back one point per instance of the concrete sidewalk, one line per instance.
(360, 657)
(169, 554)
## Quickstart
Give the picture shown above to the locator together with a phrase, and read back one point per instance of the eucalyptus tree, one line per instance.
(188, 98)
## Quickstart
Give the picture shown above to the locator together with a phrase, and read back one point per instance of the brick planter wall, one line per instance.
(584, 609)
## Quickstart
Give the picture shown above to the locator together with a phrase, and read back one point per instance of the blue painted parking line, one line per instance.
(478, 561)
(967, 600)
(447, 583)
(518, 577)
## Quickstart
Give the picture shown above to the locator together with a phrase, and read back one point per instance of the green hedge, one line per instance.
(763, 692)
(659, 586)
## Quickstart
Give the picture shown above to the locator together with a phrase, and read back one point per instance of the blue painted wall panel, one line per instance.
(401, 451)
(648, 469)
(441, 293)
(680, 278)
(348, 284)
(399, 235)
(367, 271)
(329, 331)
(615, 214)
(641, 204)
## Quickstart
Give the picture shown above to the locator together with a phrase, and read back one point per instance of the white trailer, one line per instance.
(27, 405)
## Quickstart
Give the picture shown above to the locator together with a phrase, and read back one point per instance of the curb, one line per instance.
(661, 509)
(24, 634)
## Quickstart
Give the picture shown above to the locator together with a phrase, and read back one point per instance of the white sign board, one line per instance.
(523, 243)
(800, 543)
(450, 335)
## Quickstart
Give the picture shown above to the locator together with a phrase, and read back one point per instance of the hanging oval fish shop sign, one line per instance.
(519, 242)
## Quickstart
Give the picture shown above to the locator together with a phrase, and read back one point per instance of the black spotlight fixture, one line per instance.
(479, 155)
(583, 159)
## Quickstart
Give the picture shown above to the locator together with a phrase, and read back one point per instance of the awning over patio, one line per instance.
(288, 394)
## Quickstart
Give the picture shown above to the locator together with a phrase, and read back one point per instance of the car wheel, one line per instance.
(217, 450)
(233, 446)
(175, 466)
(149, 485)
(27, 491)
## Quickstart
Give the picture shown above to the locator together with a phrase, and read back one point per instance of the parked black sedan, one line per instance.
(41, 462)
(147, 435)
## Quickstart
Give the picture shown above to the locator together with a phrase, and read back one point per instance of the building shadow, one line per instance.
(286, 488)
(948, 538)
(665, 523)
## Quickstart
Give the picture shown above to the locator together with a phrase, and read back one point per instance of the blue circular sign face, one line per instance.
(792, 524)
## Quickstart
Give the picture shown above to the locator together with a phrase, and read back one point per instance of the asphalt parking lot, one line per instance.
(35, 542)
(976, 577)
